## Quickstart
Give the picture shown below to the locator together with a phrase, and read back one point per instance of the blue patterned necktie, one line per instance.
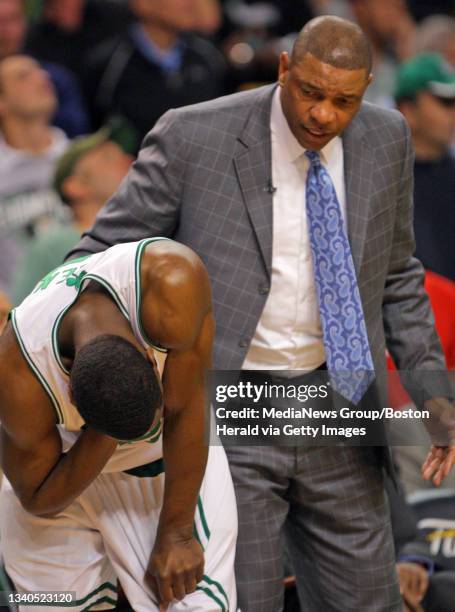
(347, 350)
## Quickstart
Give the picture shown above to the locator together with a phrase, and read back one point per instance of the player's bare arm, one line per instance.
(45, 480)
(176, 312)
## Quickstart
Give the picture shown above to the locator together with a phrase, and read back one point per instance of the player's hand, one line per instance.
(175, 568)
(413, 579)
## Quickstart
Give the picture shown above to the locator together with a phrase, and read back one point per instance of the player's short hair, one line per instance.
(114, 387)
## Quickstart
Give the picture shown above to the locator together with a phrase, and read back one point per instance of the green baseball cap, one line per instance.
(117, 130)
(425, 72)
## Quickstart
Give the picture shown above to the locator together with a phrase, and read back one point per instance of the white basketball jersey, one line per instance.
(36, 323)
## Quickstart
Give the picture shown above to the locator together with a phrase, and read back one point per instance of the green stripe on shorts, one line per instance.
(210, 594)
(216, 584)
(104, 599)
(203, 519)
(108, 586)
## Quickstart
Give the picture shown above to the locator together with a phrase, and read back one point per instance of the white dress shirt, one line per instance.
(289, 335)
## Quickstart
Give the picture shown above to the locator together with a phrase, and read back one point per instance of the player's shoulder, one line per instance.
(171, 263)
(175, 293)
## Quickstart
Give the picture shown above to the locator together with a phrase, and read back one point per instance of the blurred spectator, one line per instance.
(9, 253)
(69, 29)
(87, 175)
(390, 28)
(13, 26)
(437, 34)
(208, 17)
(71, 114)
(156, 65)
(29, 148)
(424, 537)
(425, 94)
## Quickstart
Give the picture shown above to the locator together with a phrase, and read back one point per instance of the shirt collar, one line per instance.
(168, 61)
(287, 141)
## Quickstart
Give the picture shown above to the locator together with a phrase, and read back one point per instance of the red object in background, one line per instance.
(441, 292)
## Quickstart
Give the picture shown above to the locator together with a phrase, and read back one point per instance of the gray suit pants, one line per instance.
(327, 505)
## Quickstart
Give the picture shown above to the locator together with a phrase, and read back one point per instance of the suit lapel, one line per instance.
(358, 171)
(253, 166)
(254, 172)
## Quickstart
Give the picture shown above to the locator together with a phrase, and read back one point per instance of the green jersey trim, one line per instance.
(58, 320)
(139, 253)
(149, 470)
(35, 370)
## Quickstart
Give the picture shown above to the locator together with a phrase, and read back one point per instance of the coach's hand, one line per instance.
(176, 566)
(441, 427)
(438, 463)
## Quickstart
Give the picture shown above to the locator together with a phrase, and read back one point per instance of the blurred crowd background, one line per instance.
(82, 82)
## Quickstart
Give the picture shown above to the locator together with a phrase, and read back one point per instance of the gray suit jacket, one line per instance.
(202, 178)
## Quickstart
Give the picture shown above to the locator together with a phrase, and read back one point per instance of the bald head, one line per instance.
(334, 41)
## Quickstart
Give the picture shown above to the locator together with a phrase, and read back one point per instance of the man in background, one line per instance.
(425, 94)
(67, 31)
(71, 113)
(87, 175)
(436, 34)
(156, 65)
(29, 149)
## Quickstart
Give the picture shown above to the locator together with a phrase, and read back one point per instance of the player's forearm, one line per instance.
(71, 475)
(185, 456)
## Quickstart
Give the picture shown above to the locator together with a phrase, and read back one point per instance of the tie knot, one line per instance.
(314, 157)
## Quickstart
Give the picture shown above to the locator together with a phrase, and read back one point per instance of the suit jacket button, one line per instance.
(243, 343)
(263, 289)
